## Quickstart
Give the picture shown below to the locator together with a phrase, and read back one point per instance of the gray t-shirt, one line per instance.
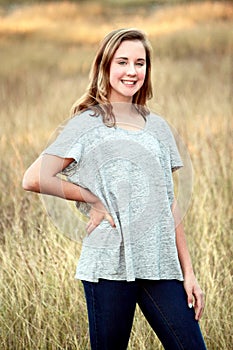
(131, 172)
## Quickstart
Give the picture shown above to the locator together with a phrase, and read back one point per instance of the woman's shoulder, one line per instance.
(163, 131)
(86, 117)
(158, 123)
(82, 122)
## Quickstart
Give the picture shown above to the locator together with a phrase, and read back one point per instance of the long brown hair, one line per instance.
(96, 96)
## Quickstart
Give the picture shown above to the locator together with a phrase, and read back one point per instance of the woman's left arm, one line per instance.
(191, 285)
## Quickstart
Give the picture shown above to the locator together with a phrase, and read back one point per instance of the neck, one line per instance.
(123, 108)
(127, 116)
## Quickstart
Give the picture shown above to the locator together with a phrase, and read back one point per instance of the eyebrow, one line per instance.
(126, 58)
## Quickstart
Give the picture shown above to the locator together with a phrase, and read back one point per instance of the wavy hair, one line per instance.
(96, 95)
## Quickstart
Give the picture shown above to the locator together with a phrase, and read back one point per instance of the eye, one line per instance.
(140, 64)
(122, 63)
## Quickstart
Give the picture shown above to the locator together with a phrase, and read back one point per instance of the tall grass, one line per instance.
(43, 70)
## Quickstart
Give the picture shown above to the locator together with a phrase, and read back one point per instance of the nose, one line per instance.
(131, 69)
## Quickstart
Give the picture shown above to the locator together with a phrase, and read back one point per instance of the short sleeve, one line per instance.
(67, 144)
(175, 158)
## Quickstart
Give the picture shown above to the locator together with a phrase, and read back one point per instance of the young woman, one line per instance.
(118, 158)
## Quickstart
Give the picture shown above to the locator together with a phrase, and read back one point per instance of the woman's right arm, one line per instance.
(41, 177)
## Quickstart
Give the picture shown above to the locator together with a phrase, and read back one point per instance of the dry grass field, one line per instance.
(45, 54)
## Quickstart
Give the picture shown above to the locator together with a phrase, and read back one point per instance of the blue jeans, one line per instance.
(111, 306)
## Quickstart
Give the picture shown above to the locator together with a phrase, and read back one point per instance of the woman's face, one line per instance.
(127, 71)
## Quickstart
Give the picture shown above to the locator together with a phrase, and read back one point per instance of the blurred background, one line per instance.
(46, 49)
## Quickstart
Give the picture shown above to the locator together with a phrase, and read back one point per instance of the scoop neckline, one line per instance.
(128, 131)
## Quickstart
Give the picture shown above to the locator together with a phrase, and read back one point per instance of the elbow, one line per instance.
(30, 183)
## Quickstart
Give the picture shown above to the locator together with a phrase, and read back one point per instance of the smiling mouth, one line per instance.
(129, 82)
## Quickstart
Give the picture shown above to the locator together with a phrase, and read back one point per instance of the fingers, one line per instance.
(90, 226)
(110, 219)
(199, 304)
(96, 220)
(189, 291)
(195, 298)
(190, 300)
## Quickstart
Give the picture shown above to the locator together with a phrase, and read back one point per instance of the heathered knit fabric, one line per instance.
(131, 173)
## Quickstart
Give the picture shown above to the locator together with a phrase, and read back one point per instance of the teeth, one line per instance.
(128, 82)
